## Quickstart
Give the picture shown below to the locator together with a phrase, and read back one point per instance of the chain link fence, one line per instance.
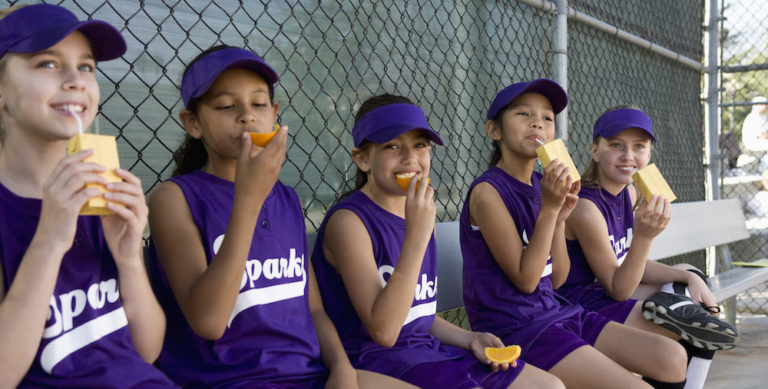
(744, 86)
(449, 57)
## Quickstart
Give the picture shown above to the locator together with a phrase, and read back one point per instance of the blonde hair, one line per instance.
(3, 60)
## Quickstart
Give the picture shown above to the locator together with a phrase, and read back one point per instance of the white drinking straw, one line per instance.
(77, 118)
(540, 142)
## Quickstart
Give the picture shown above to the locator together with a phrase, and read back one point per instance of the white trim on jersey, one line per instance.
(79, 337)
(421, 310)
(269, 294)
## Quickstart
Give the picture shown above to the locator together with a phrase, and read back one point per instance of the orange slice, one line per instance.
(262, 139)
(503, 354)
(404, 180)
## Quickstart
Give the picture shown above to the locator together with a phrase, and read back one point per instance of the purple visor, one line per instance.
(550, 89)
(37, 27)
(388, 122)
(199, 78)
(618, 120)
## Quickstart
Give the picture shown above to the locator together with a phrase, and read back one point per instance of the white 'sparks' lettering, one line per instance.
(548, 268)
(290, 269)
(65, 307)
(73, 303)
(425, 290)
(621, 246)
(272, 268)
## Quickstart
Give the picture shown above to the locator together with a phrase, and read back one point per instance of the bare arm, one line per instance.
(525, 267)
(23, 308)
(381, 308)
(331, 349)
(561, 262)
(123, 232)
(591, 230)
(207, 293)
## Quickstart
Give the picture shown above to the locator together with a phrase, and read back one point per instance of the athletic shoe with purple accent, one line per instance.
(681, 315)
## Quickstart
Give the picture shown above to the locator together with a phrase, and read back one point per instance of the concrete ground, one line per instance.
(746, 366)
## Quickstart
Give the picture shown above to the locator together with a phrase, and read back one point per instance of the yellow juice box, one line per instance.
(650, 182)
(105, 154)
(556, 150)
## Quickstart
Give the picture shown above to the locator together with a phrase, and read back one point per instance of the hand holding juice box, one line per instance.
(556, 150)
(105, 154)
(649, 182)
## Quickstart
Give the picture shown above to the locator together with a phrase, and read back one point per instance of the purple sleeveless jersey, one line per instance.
(414, 345)
(582, 287)
(270, 335)
(86, 341)
(493, 302)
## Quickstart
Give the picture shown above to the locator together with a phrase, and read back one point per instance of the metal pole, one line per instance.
(560, 61)
(713, 110)
(581, 17)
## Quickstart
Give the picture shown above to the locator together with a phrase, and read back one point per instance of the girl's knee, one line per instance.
(671, 360)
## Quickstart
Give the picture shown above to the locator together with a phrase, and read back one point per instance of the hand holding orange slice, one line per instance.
(404, 179)
(262, 139)
(503, 354)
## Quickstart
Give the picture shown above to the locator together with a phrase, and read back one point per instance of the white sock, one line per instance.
(697, 373)
(676, 288)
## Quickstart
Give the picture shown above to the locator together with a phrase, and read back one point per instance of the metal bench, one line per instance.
(694, 226)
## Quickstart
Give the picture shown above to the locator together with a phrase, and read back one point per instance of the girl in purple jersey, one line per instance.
(76, 307)
(229, 239)
(376, 264)
(513, 243)
(609, 236)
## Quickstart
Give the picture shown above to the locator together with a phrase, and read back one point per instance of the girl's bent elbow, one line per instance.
(384, 338)
(209, 332)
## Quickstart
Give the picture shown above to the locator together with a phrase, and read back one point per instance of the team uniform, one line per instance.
(582, 287)
(544, 324)
(416, 357)
(86, 341)
(270, 340)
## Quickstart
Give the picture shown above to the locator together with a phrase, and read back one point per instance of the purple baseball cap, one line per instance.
(199, 78)
(37, 27)
(550, 89)
(618, 120)
(385, 123)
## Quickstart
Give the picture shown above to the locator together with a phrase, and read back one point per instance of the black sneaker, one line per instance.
(681, 315)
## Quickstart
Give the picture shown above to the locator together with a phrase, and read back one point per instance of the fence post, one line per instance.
(713, 109)
(560, 61)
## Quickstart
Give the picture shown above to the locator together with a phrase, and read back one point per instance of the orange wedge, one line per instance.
(403, 182)
(503, 354)
(262, 139)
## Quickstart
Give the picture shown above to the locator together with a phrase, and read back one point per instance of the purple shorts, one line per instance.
(617, 311)
(463, 373)
(593, 297)
(563, 337)
(306, 383)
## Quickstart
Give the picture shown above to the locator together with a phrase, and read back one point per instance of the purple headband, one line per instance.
(199, 78)
(550, 89)
(385, 123)
(618, 120)
(37, 27)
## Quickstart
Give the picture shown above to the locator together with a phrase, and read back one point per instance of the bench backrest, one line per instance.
(694, 226)
(698, 225)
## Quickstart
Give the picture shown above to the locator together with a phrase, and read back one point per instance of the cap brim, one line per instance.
(392, 132)
(269, 75)
(106, 41)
